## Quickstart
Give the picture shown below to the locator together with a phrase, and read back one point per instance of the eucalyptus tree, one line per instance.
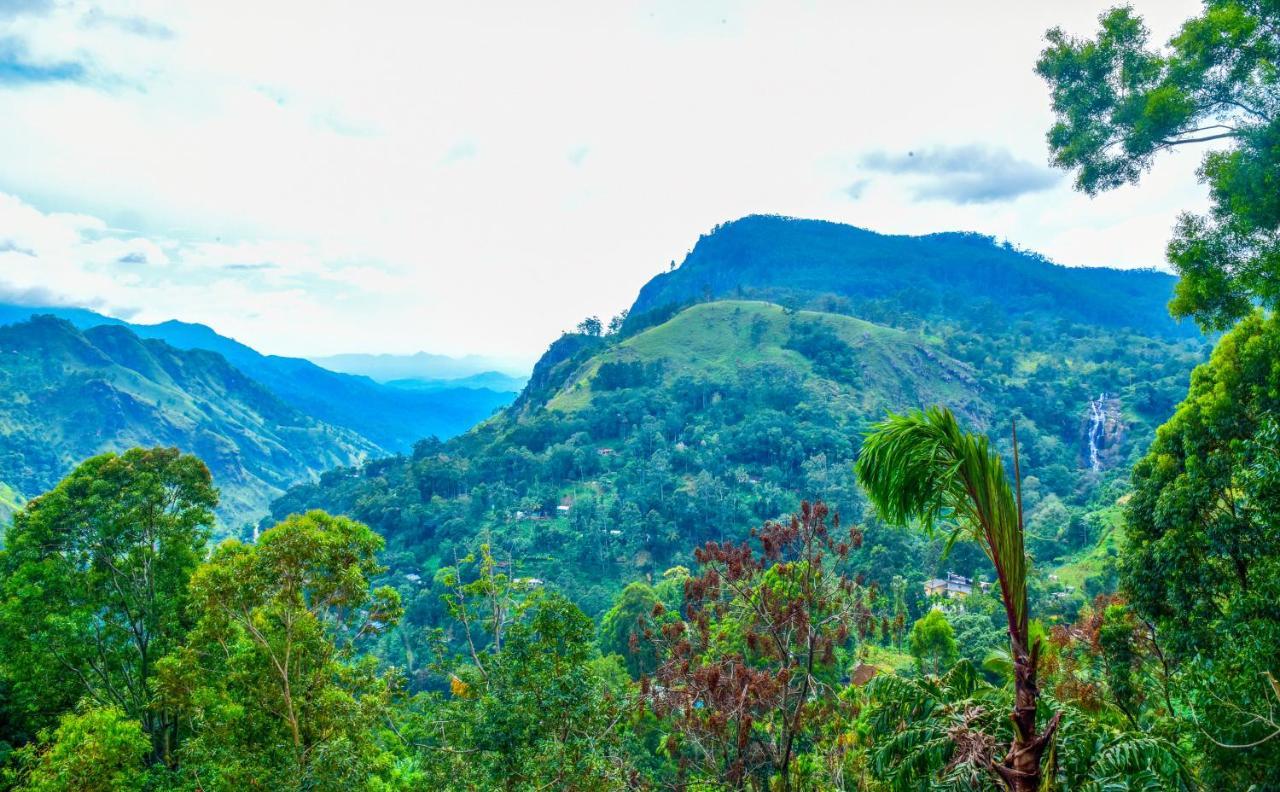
(269, 680)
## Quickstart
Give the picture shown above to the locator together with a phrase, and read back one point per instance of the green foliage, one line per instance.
(924, 468)
(728, 424)
(951, 278)
(621, 628)
(945, 732)
(98, 749)
(911, 722)
(1119, 104)
(830, 355)
(541, 710)
(74, 394)
(268, 680)
(93, 585)
(1201, 556)
(933, 642)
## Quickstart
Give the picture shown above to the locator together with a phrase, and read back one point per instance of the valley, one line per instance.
(263, 423)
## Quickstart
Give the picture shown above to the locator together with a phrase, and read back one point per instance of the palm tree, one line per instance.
(923, 468)
(940, 732)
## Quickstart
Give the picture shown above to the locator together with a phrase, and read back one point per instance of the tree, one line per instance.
(751, 676)
(934, 640)
(923, 468)
(543, 714)
(617, 322)
(97, 750)
(942, 732)
(268, 680)
(1202, 554)
(93, 580)
(591, 326)
(1119, 104)
(622, 626)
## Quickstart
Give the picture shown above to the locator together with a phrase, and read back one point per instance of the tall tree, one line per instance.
(923, 468)
(1120, 103)
(93, 584)
(934, 640)
(268, 680)
(1202, 552)
(542, 713)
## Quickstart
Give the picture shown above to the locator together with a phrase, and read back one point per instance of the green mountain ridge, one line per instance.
(625, 452)
(73, 394)
(953, 277)
(392, 418)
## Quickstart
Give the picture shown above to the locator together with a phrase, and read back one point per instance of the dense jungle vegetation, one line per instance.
(783, 526)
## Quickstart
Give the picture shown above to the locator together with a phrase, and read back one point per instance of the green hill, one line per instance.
(626, 452)
(73, 394)
(717, 340)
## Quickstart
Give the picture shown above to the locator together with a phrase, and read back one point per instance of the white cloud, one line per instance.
(322, 177)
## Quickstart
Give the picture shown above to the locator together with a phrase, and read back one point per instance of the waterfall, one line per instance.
(1097, 425)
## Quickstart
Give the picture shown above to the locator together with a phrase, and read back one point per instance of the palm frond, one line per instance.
(923, 468)
(1136, 761)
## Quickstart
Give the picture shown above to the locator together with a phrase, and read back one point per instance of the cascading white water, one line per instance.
(1097, 424)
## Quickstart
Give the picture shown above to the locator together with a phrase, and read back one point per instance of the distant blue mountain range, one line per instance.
(390, 417)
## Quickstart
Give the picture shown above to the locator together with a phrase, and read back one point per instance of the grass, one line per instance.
(889, 660)
(717, 340)
(1075, 569)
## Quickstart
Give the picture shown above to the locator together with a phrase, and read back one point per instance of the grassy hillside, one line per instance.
(73, 394)
(717, 340)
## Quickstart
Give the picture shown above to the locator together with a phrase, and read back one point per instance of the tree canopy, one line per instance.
(93, 584)
(1120, 103)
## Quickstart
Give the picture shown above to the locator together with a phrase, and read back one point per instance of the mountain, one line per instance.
(418, 366)
(486, 380)
(72, 394)
(388, 417)
(710, 413)
(955, 277)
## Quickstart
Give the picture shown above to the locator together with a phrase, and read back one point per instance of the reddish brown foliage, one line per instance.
(747, 670)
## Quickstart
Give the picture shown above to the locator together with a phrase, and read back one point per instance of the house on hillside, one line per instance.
(952, 586)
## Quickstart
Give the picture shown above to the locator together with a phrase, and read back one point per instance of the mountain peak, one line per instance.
(902, 280)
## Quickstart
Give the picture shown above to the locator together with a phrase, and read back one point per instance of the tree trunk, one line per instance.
(1021, 770)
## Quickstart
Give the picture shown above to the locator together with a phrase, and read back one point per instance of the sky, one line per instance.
(321, 177)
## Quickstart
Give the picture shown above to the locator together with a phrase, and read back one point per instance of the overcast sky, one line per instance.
(319, 177)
